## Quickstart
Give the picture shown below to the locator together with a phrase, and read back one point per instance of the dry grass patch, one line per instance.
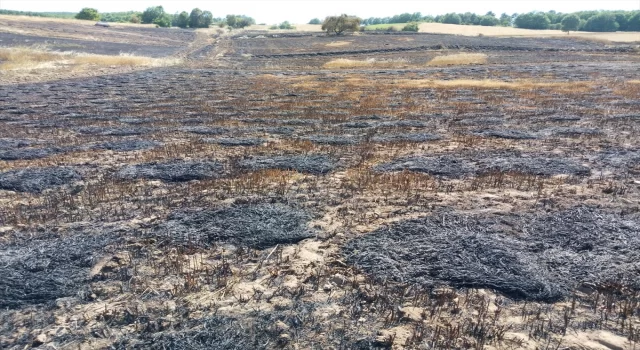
(342, 63)
(494, 84)
(19, 57)
(633, 81)
(28, 58)
(338, 43)
(458, 59)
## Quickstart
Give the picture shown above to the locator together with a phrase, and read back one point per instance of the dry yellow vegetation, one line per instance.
(29, 58)
(441, 28)
(494, 84)
(342, 63)
(338, 43)
(458, 59)
(68, 21)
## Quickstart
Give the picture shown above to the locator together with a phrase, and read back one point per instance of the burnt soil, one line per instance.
(253, 198)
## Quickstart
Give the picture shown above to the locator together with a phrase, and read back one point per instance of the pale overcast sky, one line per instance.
(301, 11)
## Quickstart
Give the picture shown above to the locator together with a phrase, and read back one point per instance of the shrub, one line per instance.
(339, 24)
(135, 19)
(604, 22)
(286, 25)
(570, 22)
(533, 20)
(274, 27)
(88, 14)
(315, 21)
(411, 27)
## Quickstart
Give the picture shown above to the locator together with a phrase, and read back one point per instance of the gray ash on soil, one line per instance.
(619, 158)
(36, 180)
(316, 164)
(482, 121)
(255, 330)
(442, 166)
(112, 131)
(215, 332)
(205, 130)
(571, 132)
(234, 142)
(539, 257)
(10, 143)
(277, 130)
(408, 137)
(27, 153)
(506, 134)
(257, 226)
(534, 165)
(460, 166)
(51, 267)
(173, 171)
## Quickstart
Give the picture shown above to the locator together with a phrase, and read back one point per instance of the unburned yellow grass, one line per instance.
(442, 28)
(348, 63)
(338, 43)
(458, 59)
(29, 58)
(492, 84)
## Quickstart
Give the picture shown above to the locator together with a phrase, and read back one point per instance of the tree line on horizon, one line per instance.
(197, 18)
(593, 21)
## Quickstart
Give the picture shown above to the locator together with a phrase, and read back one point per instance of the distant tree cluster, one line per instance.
(337, 25)
(238, 21)
(122, 17)
(594, 21)
(401, 18)
(315, 21)
(67, 15)
(590, 21)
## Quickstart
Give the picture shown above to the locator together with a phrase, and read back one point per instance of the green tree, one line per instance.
(570, 22)
(505, 20)
(623, 21)
(163, 20)
(532, 20)
(88, 14)
(182, 20)
(604, 22)
(194, 18)
(151, 14)
(135, 18)
(315, 21)
(451, 18)
(235, 21)
(634, 23)
(339, 24)
(489, 21)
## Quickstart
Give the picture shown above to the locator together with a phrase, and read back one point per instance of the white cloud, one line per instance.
(300, 11)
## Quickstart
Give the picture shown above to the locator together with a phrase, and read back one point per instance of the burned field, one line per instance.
(300, 192)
